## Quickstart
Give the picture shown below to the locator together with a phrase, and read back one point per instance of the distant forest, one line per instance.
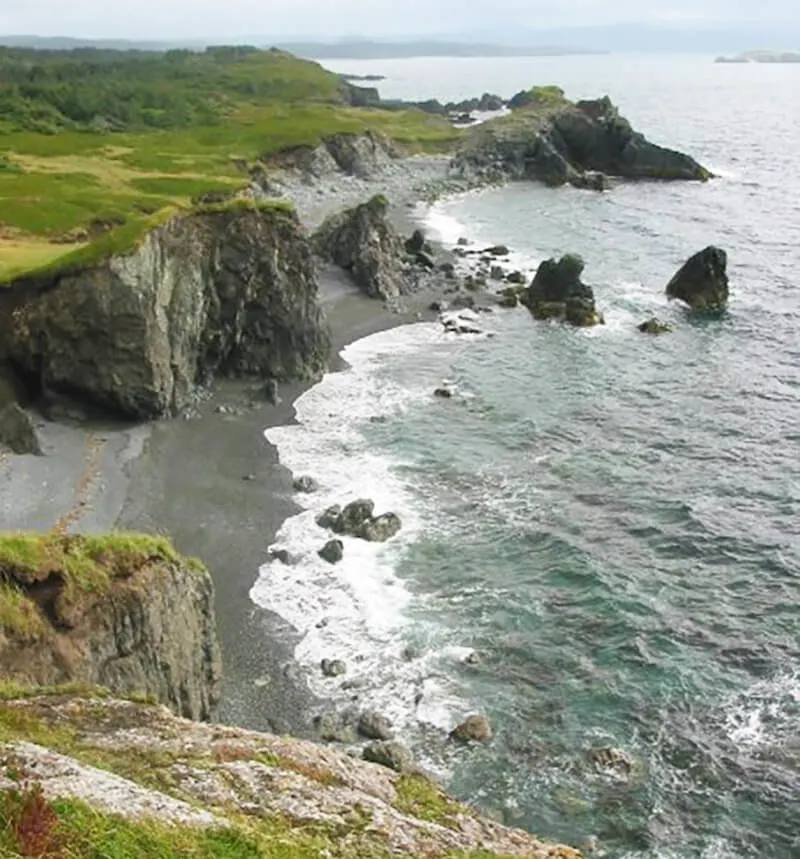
(97, 89)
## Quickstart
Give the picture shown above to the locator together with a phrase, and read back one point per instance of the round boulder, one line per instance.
(332, 551)
(474, 729)
(305, 484)
(330, 517)
(373, 726)
(333, 667)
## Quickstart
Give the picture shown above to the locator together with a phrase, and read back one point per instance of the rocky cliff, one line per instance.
(558, 142)
(231, 291)
(122, 611)
(163, 786)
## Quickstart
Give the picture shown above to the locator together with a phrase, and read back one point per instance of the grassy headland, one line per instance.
(95, 142)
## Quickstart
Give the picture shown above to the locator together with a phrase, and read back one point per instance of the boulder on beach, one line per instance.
(653, 325)
(516, 277)
(374, 726)
(393, 755)
(353, 516)
(17, 431)
(702, 281)
(363, 242)
(332, 551)
(357, 519)
(474, 729)
(416, 242)
(557, 292)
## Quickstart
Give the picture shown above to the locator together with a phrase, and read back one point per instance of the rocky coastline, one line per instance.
(218, 320)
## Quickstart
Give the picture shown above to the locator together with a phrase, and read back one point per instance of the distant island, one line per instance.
(762, 57)
(358, 49)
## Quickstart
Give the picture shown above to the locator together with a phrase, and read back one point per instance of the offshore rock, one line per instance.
(557, 292)
(362, 241)
(475, 729)
(654, 326)
(557, 142)
(702, 281)
(229, 293)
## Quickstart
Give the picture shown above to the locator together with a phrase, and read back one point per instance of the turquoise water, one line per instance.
(611, 520)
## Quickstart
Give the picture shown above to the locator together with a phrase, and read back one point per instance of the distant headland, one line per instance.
(762, 57)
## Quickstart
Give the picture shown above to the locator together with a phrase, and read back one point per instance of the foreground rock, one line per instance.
(395, 756)
(702, 281)
(232, 292)
(557, 142)
(17, 432)
(362, 241)
(357, 519)
(557, 292)
(332, 551)
(287, 795)
(136, 618)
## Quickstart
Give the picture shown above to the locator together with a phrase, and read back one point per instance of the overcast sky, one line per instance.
(216, 19)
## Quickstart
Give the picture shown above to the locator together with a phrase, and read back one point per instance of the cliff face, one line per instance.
(231, 292)
(122, 612)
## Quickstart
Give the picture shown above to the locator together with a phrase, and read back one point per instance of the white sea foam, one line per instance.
(359, 610)
(765, 713)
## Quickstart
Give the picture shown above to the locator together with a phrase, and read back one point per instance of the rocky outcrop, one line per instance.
(474, 729)
(357, 519)
(365, 155)
(362, 241)
(230, 292)
(702, 281)
(124, 612)
(557, 292)
(246, 792)
(17, 431)
(557, 143)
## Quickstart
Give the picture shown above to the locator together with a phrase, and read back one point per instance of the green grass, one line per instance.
(19, 615)
(282, 207)
(420, 797)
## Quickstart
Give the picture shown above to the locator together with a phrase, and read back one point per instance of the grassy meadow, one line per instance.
(84, 152)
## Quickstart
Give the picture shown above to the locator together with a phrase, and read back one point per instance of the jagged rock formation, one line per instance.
(17, 431)
(281, 795)
(366, 155)
(122, 611)
(229, 292)
(557, 292)
(362, 241)
(702, 281)
(559, 142)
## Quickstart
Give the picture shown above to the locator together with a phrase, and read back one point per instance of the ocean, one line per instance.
(610, 521)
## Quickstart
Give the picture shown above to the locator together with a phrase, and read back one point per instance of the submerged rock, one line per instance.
(443, 393)
(475, 729)
(363, 241)
(654, 326)
(702, 281)
(17, 431)
(332, 551)
(393, 755)
(305, 484)
(610, 758)
(557, 292)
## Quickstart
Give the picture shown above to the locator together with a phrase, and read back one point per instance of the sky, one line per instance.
(331, 19)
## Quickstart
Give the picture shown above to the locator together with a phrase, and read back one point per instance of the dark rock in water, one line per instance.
(613, 759)
(281, 555)
(332, 551)
(511, 296)
(416, 243)
(330, 517)
(593, 180)
(448, 270)
(463, 302)
(425, 260)
(516, 277)
(411, 653)
(362, 241)
(475, 729)
(353, 517)
(305, 484)
(557, 292)
(472, 659)
(654, 326)
(443, 393)
(497, 251)
(373, 726)
(497, 272)
(462, 241)
(331, 728)
(395, 756)
(463, 323)
(271, 392)
(702, 281)
(333, 667)
(17, 431)
(438, 306)
(381, 528)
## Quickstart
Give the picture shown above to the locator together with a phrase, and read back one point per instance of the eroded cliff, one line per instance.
(121, 611)
(230, 291)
